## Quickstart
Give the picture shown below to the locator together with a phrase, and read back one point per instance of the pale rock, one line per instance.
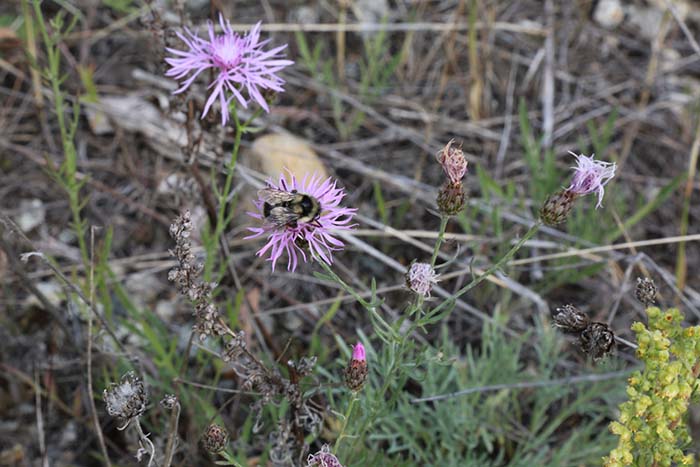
(52, 291)
(275, 154)
(32, 213)
(609, 13)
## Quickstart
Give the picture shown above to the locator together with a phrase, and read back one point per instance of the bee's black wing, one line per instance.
(274, 196)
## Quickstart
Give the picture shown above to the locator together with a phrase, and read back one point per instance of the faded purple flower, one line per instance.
(315, 236)
(590, 176)
(323, 458)
(420, 278)
(453, 162)
(239, 63)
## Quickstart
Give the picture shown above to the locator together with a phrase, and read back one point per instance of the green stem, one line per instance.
(441, 237)
(221, 220)
(501, 262)
(348, 412)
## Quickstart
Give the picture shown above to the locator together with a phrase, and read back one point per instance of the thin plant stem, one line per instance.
(496, 266)
(91, 399)
(346, 421)
(440, 238)
(172, 436)
(221, 214)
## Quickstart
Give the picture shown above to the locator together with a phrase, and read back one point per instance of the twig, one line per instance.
(40, 421)
(529, 385)
(684, 28)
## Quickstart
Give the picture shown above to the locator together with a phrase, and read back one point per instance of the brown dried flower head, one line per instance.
(645, 291)
(126, 399)
(597, 340)
(570, 319)
(323, 458)
(557, 207)
(215, 438)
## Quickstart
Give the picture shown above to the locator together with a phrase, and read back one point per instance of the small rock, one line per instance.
(370, 11)
(52, 291)
(98, 121)
(143, 288)
(31, 214)
(273, 154)
(647, 20)
(304, 15)
(609, 13)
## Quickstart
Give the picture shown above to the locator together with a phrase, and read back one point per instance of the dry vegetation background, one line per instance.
(377, 89)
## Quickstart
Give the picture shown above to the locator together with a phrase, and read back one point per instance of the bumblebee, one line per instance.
(288, 208)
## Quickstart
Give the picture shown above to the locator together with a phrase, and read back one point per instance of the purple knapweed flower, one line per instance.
(323, 458)
(239, 63)
(316, 236)
(420, 278)
(590, 176)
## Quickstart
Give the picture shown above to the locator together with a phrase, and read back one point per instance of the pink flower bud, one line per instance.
(358, 352)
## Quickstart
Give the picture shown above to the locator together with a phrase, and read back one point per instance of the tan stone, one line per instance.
(274, 153)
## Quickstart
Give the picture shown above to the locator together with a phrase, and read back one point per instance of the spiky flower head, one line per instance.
(570, 319)
(421, 278)
(215, 438)
(597, 340)
(356, 371)
(451, 198)
(591, 176)
(557, 207)
(645, 291)
(323, 458)
(453, 162)
(315, 237)
(240, 64)
(126, 399)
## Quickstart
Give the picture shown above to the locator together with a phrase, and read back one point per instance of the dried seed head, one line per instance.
(126, 399)
(356, 371)
(323, 458)
(169, 401)
(645, 291)
(557, 207)
(453, 162)
(451, 198)
(420, 278)
(597, 340)
(570, 319)
(215, 438)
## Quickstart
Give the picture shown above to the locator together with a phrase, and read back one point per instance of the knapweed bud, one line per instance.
(451, 198)
(323, 458)
(557, 207)
(420, 278)
(645, 291)
(597, 340)
(356, 371)
(126, 399)
(570, 319)
(215, 438)
(453, 162)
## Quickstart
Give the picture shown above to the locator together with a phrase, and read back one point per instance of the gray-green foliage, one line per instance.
(555, 425)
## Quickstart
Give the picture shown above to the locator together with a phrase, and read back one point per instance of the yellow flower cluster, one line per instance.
(651, 427)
